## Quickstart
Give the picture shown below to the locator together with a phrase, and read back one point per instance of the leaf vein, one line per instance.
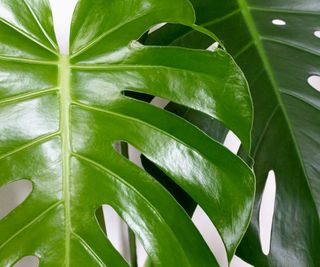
(27, 96)
(28, 36)
(289, 11)
(105, 34)
(296, 96)
(27, 60)
(41, 215)
(88, 248)
(103, 168)
(34, 142)
(207, 24)
(39, 24)
(267, 65)
(289, 44)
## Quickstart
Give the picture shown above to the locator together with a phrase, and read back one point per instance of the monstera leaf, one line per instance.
(61, 117)
(276, 44)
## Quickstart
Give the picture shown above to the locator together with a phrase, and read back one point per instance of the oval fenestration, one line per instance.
(266, 212)
(314, 81)
(28, 261)
(12, 195)
(317, 34)
(278, 22)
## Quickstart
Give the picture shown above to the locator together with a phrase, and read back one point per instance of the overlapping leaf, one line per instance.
(277, 60)
(60, 117)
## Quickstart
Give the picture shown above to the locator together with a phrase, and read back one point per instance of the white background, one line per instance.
(12, 195)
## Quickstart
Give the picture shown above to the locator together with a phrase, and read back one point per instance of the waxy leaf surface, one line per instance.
(62, 116)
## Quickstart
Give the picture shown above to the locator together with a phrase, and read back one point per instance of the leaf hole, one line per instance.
(153, 100)
(13, 194)
(128, 151)
(238, 262)
(200, 218)
(266, 212)
(314, 81)
(159, 102)
(210, 235)
(317, 34)
(178, 192)
(156, 27)
(232, 142)
(137, 95)
(117, 231)
(136, 157)
(142, 255)
(213, 47)
(27, 261)
(278, 22)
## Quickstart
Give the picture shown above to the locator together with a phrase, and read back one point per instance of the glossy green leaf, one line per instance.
(210, 126)
(61, 116)
(277, 61)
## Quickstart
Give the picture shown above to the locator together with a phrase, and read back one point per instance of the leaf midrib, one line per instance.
(64, 73)
(248, 18)
(65, 100)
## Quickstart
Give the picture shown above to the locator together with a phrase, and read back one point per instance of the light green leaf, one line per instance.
(60, 117)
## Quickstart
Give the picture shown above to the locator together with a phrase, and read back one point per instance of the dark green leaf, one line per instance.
(277, 61)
